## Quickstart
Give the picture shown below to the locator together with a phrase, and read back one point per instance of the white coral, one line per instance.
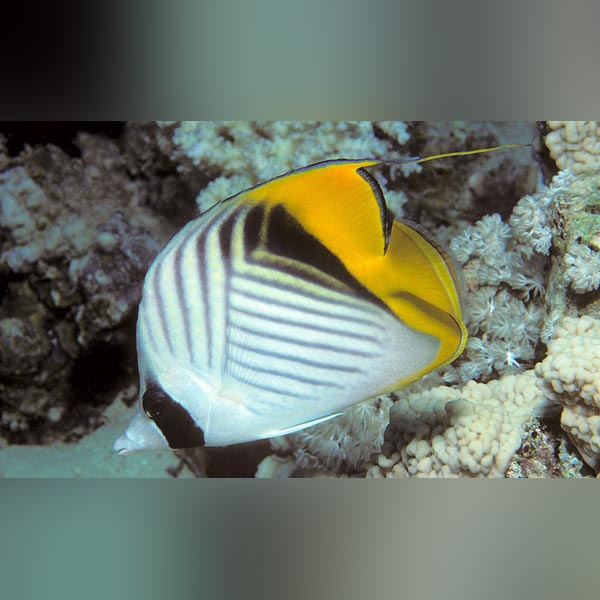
(570, 375)
(349, 439)
(574, 145)
(248, 152)
(582, 268)
(471, 432)
(530, 223)
(38, 226)
(503, 305)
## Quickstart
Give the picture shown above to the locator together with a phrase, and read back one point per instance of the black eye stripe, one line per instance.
(175, 422)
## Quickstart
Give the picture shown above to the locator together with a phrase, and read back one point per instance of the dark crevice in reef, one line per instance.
(552, 424)
(240, 460)
(105, 368)
(101, 372)
(97, 377)
(545, 162)
(59, 133)
(177, 200)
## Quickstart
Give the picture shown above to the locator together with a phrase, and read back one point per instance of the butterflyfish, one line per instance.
(283, 305)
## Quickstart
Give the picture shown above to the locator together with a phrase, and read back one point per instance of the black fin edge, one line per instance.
(384, 213)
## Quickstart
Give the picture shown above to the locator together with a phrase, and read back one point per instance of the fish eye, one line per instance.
(155, 408)
(155, 403)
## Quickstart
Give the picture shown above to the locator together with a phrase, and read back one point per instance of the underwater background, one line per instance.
(85, 208)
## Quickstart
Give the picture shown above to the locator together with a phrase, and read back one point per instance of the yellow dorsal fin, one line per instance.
(333, 203)
(339, 203)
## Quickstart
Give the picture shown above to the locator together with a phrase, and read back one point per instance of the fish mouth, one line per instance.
(139, 436)
(123, 446)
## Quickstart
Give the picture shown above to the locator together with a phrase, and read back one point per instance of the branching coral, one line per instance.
(574, 145)
(502, 313)
(571, 206)
(244, 153)
(503, 299)
(349, 440)
(531, 224)
(582, 268)
(562, 217)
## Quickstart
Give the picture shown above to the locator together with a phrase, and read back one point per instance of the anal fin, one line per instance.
(294, 428)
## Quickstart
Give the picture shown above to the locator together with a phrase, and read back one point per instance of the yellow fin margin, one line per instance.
(414, 279)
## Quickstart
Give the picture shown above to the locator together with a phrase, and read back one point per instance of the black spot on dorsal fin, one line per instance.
(384, 213)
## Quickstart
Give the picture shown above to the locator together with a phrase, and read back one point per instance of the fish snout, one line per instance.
(142, 434)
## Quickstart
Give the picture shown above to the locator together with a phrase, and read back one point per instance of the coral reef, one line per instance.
(239, 154)
(545, 453)
(447, 432)
(522, 276)
(574, 145)
(476, 430)
(570, 205)
(507, 266)
(79, 227)
(570, 375)
(75, 243)
(344, 443)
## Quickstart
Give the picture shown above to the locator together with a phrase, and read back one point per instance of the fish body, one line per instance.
(282, 306)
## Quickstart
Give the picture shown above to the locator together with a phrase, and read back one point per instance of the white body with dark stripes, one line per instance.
(238, 345)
